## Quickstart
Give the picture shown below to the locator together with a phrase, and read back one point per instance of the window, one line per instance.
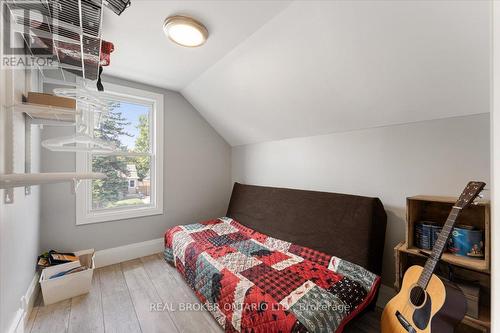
(134, 183)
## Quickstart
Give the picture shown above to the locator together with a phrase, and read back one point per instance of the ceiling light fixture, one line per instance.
(185, 31)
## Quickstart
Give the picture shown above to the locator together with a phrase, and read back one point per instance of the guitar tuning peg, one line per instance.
(480, 195)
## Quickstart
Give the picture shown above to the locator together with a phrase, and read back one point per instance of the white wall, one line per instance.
(349, 65)
(197, 183)
(431, 157)
(495, 168)
(19, 222)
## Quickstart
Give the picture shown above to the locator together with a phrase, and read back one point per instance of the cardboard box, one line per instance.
(71, 285)
(51, 100)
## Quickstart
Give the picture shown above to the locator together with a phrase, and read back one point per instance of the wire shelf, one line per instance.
(67, 30)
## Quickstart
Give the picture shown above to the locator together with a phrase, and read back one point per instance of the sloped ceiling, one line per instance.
(328, 66)
(144, 54)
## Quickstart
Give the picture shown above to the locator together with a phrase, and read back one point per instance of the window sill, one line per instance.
(114, 215)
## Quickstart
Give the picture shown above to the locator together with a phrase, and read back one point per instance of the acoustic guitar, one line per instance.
(425, 303)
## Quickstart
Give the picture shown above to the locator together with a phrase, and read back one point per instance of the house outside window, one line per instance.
(134, 183)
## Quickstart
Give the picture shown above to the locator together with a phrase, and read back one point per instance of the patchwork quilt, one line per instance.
(251, 282)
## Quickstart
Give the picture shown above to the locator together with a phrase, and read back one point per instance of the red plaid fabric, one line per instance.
(273, 258)
(169, 236)
(219, 251)
(262, 314)
(316, 273)
(203, 235)
(276, 283)
(226, 295)
(310, 254)
(210, 222)
(250, 232)
(260, 286)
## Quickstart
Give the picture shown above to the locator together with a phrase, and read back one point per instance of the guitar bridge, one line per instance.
(405, 323)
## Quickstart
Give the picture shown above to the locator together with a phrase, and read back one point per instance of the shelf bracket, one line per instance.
(74, 185)
(8, 197)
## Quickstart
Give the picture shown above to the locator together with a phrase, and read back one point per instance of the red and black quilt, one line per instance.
(251, 282)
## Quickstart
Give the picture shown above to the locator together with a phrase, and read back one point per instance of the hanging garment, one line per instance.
(106, 49)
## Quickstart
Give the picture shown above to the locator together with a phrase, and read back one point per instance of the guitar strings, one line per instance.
(415, 297)
(476, 188)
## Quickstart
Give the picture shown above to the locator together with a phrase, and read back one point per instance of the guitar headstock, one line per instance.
(471, 192)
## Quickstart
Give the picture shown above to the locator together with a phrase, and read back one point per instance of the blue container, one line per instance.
(435, 230)
(424, 232)
(467, 241)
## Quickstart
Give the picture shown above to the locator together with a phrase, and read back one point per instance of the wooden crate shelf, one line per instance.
(405, 259)
(436, 209)
(483, 321)
(479, 265)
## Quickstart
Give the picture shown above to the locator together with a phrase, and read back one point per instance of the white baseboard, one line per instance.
(385, 294)
(102, 258)
(119, 254)
(27, 302)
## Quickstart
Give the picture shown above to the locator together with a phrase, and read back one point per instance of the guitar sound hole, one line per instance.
(417, 296)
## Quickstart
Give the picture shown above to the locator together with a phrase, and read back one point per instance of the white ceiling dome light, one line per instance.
(185, 31)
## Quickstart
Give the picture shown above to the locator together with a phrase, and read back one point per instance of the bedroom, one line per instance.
(209, 157)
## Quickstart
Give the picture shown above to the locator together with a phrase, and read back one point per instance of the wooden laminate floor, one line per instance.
(123, 297)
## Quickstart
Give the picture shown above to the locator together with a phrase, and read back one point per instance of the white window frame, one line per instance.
(84, 212)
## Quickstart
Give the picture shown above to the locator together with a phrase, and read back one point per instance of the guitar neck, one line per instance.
(439, 247)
